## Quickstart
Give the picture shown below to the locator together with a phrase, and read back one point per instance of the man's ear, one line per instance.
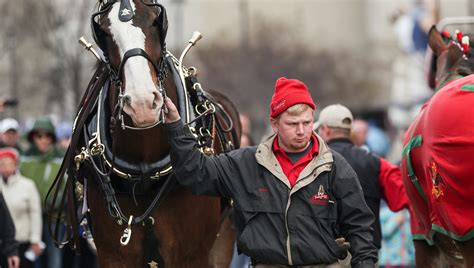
(436, 41)
(326, 131)
(273, 123)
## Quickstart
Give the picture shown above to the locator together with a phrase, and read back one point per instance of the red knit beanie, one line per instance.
(9, 152)
(289, 92)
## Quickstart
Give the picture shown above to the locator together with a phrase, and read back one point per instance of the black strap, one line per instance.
(85, 107)
(151, 245)
(135, 52)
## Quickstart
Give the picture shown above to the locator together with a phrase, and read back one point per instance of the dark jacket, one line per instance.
(276, 224)
(378, 178)
(8, 244)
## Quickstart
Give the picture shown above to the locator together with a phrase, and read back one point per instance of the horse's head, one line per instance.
(452, 56)
(131, 34)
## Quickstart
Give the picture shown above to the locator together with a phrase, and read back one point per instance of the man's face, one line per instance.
(294, 131)
(359, 132)
(7, 166)
(10, 137)
(43, 141)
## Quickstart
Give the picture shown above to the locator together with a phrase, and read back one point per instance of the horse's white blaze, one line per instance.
(139, 84)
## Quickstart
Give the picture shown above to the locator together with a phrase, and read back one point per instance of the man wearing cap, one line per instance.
(10, 136)
(378, 177)
(295, 201)
(41, 163)
(23, 201)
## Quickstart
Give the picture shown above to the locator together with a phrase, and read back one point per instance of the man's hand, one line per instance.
(341, 242)
(172, 115)
(36, 248)
(13, 262)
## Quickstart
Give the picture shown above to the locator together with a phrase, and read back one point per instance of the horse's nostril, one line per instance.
(156, 100)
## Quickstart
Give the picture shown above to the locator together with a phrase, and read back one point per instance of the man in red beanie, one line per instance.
(296, 202)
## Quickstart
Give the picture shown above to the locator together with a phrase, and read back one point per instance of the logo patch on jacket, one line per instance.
(263, 190)
(321, 198)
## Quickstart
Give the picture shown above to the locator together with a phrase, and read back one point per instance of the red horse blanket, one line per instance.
(438, 163)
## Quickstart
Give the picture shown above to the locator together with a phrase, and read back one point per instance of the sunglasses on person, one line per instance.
(41, 135)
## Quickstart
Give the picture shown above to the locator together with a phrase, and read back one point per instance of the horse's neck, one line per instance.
(460, 82)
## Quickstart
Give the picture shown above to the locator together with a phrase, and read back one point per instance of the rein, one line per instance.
(85, 109)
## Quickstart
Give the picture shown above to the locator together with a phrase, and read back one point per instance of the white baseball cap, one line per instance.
(335, 115)
(9, 124)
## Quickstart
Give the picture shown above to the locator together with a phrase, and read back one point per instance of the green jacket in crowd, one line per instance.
(41, 168)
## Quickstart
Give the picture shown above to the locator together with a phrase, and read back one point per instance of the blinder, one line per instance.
(98, 34)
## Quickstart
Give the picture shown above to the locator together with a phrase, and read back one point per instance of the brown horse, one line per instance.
(438, 164)
(140, 217)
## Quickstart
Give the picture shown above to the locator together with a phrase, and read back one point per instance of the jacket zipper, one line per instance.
(288, 243)
(288, 240)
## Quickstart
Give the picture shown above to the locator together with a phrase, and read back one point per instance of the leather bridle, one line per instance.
(116, 75)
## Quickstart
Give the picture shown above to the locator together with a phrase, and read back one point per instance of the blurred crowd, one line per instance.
(29, 161)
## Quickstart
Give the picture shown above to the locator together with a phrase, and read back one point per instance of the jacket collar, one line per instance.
(11, 180)
(340, 140)
(322, 162)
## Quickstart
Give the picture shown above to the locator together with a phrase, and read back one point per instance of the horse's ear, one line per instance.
(436, 41)
(430, 68)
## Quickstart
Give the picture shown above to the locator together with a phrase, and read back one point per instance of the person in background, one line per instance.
(8, 245)
(10, 136)
(5, 103)
(23, 201)
(359, 131)
(379, 178)
(377, 140)
(397, 241)
(409, 88)
(63, 135)
(246, 138)
(289, 191)
(41, 163)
